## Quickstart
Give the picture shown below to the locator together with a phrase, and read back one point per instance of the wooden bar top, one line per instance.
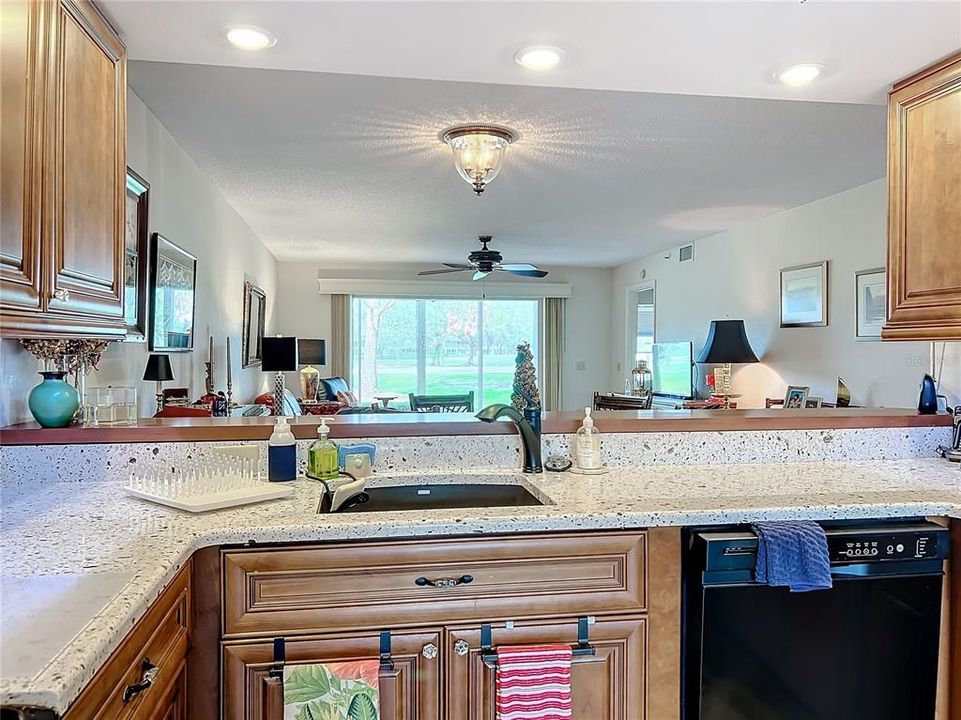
(203, 429)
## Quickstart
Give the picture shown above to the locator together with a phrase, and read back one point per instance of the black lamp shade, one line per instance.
(158, 368)
(312, 352)
(279, 354)
(727, 343)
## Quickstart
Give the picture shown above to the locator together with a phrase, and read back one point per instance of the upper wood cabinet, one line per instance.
(924, 205)
(63, 161)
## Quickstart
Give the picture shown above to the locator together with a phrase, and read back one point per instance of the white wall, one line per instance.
(190, 211)
(304, 312)
(735, 276)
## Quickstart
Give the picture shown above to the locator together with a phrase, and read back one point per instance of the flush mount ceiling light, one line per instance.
(478, 152)
(800, 74)
(539, 58)
(248, 37)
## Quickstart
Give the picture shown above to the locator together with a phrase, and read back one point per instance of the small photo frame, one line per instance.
(813, 402)
(871, 303)
(804, 295)
(795, 397)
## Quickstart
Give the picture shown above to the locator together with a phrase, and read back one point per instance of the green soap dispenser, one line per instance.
(322, 458)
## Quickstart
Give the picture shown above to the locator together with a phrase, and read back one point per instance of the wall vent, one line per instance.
(685, 253)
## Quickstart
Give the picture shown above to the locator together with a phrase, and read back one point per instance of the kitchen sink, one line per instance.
(444, 497)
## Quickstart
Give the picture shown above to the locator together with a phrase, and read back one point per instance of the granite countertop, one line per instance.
(108, 556)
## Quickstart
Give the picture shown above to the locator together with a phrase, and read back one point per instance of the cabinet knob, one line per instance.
(461, 647)
(429, 651)
(62, 294)
(149, 677)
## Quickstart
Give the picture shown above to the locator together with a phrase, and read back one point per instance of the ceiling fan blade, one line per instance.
(458, 266)
(509, 267)
(443, 271)
(481, 274)
(527, 273)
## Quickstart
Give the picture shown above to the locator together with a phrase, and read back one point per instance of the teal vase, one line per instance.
(54, 401)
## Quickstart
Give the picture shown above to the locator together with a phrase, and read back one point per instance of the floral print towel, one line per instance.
(332, 691)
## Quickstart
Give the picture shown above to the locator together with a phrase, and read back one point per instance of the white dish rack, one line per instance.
(202, 485)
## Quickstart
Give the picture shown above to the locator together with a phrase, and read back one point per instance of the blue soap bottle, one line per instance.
(281, 453)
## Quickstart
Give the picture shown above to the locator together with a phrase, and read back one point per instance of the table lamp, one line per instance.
(726, 344)
(310, 352)
(158, 370)
(279, 356)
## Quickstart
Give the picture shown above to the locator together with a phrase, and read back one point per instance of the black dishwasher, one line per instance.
(867, 649)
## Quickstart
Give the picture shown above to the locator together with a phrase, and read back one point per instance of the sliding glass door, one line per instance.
(434, 346)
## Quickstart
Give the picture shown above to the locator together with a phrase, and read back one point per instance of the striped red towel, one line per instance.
(534, 682)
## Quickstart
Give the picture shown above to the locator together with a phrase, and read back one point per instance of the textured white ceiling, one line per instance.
(697, 48)
(348, 169)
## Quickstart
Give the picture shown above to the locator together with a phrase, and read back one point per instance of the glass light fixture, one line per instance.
(249, 37)
(539, 58)
(478, 152)
(798, 75)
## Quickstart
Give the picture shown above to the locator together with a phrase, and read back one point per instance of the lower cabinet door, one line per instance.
(409, 692)
(607, 686)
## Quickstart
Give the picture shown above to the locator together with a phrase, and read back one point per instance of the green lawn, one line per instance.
(401, 378)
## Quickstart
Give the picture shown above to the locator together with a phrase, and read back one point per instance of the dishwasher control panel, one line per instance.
(890, 545)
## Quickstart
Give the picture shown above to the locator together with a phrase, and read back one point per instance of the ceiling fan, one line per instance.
(485, 261)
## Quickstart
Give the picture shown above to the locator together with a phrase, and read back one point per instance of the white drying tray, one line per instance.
(230, 497)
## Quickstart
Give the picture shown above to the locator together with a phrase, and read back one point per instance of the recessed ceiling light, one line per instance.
(248, 37)
(539, 58)
(798, 75)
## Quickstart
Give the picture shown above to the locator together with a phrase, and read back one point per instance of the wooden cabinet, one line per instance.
(63, 161)
(609, 685)
(410, 691)
(924, 205)
(331, 602)
(145, 678)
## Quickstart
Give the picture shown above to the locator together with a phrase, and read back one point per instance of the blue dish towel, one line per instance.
(792, 554)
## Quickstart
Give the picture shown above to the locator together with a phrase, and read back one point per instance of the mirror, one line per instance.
(135, 256)
(255, 313)
(173, 281)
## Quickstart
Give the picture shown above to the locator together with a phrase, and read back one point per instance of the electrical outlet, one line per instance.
(618, 367)
(580, 365)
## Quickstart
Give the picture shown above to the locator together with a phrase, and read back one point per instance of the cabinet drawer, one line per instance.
(161, 638)
(339, 587)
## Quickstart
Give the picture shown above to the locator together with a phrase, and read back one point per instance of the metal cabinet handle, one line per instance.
(445, 582)
(429, 651)
(461, 647)
(62, 294)
(149, 677)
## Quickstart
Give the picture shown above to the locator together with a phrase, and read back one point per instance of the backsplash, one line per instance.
(41, 464)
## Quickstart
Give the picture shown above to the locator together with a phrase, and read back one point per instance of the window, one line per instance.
(644, 344)
(439, 346)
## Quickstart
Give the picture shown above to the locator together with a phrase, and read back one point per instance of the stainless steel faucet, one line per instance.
(530, 436)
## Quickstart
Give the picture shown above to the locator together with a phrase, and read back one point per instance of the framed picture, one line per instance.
(813, 402)
(135, 256)
(255, 316)
(795, 397)
(804, 295)
(871, 305)
(173, 283)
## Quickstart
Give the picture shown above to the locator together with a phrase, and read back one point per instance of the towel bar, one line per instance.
(386, 662)
(581, 649)
(280, 655)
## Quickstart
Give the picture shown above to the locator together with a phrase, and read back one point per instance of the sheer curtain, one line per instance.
(555, 316)
(340, 336)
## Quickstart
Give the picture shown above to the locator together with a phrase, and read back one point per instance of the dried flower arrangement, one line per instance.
(67, 355)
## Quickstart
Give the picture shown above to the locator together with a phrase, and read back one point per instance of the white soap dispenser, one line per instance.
(587, 446)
